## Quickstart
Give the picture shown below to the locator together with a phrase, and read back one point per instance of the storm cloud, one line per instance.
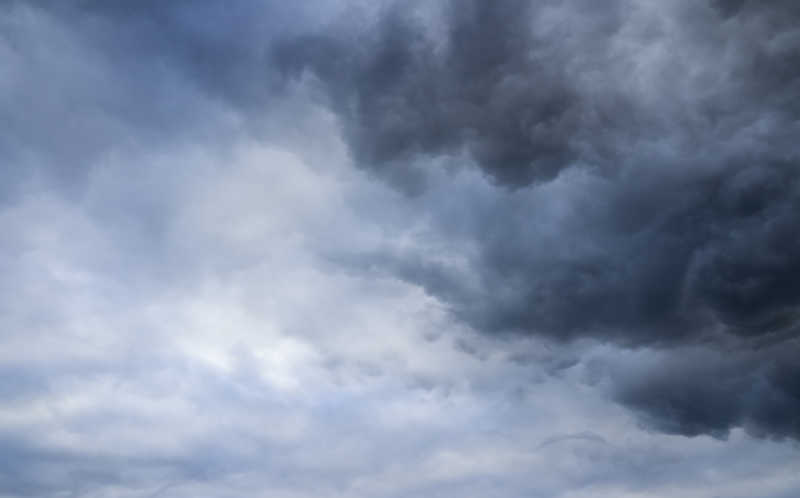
(350, 248)
(668, 132)
(480, 83)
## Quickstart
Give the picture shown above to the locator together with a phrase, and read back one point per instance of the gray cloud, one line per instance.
(710, 392)
(89, 81)
(202, 296)
(668, 134)
(487, 86)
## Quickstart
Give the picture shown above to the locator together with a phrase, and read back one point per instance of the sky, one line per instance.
(399, 248)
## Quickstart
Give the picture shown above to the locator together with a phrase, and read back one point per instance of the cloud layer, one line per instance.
(395, 249)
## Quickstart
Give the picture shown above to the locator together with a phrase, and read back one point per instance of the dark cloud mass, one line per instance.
(684, 116)
(487, 87)
(702, 392)
(399, 248)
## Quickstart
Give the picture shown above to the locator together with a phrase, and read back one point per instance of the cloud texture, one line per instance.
(667, 131)
(393, 249)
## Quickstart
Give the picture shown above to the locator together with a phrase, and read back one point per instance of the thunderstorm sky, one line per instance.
(399, 248)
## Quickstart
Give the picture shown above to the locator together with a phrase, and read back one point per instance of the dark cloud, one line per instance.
(527, 89)
(678, 128)
(486, 86)
(711, 392)
(657, 262)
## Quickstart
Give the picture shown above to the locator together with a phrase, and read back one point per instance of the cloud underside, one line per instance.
(670, 129)
(399, 248)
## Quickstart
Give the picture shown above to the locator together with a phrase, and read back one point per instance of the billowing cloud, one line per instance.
(398, 248)
(709, 392)
(480, 82)
(664, 135)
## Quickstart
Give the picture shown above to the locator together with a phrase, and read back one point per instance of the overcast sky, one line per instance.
(377, 248)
